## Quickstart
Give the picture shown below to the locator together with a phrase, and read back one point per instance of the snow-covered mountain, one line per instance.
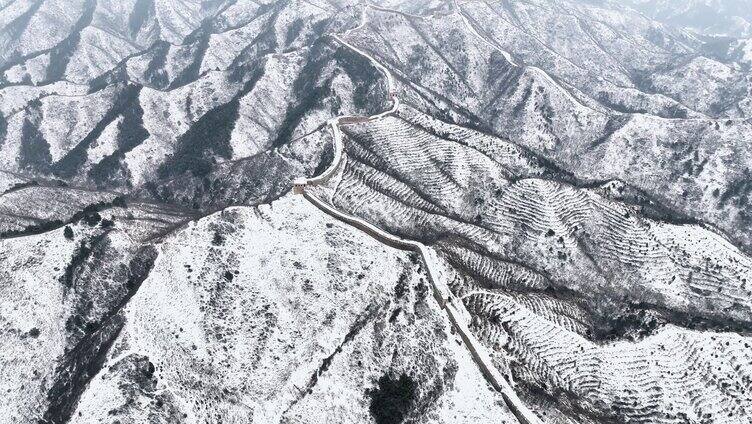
(732, 18)
(516, 211)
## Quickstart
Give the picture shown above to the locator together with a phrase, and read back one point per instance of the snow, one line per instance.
(106, 144)
(267, 330)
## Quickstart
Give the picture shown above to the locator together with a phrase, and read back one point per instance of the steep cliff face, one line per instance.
(578, 171)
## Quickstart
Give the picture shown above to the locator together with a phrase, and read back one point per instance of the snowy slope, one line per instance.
(578, 170)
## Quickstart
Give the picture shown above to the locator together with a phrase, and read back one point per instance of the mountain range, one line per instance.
(413, 211)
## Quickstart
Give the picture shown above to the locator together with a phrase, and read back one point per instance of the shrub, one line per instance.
(392, 399)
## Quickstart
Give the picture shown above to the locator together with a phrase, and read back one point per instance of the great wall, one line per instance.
(454, 308)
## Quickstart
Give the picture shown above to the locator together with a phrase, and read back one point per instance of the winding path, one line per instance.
(448, 302)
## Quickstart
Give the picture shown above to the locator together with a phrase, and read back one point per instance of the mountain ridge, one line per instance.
(577, 171)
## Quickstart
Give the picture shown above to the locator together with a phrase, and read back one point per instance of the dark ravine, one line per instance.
(61, 54)
(81, 363)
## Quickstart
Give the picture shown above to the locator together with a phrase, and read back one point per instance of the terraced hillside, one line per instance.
(598, 121)
(591, 295)
(515, 211)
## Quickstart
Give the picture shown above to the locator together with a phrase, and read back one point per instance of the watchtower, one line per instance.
(298, 186)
